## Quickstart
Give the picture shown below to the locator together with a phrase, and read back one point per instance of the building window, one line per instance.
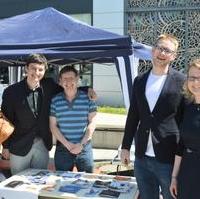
(4, 75)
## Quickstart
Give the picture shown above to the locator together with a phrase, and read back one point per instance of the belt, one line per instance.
(150, 157)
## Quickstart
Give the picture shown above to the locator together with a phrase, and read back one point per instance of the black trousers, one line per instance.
(189, 176)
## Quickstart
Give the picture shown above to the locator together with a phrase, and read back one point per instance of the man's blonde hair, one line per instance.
(196, 64)
(170, 37)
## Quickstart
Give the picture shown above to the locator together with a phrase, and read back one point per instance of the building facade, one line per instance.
(108, 15)
(145, 20)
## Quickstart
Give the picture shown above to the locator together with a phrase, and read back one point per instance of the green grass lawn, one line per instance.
(113, 110)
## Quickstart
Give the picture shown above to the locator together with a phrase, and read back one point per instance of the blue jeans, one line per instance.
(151, 176)
(65, 161)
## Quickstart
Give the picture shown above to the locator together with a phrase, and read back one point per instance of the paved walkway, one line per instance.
(112, 121)
(107, 120)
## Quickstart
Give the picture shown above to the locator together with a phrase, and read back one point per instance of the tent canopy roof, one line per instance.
(59, 37)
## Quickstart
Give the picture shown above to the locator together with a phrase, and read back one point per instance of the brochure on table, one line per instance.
(31, 183)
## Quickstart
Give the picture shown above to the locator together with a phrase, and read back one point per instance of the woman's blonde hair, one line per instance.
(196, 64)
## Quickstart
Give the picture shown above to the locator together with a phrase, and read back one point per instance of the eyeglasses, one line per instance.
(193, 79)
(165, 50)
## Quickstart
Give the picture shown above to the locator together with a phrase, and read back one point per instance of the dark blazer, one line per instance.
(163, 120)
(16, 108)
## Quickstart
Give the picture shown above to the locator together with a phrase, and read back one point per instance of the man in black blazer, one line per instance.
(27, 104)
(153, 121)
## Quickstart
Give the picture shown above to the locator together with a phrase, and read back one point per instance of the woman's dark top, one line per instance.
(189, 173)
(190, 129)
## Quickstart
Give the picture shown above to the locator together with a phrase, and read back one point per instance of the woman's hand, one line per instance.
(173, 187)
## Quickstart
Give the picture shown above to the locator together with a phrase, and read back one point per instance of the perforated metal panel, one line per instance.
(147, 19)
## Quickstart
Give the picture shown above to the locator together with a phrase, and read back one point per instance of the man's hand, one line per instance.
(92, 94)
(76, 149)
(6, 154)
(125, 156)
(69, 145)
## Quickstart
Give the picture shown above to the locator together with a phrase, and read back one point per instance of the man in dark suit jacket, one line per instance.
(153, 120)
(27, 104)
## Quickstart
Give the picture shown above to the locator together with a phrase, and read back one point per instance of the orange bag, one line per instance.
(6, 128)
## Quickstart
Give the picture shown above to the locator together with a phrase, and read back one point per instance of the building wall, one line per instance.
(108, 15)
(15, 7)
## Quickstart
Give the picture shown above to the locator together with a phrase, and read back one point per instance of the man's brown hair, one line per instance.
(68, 69)
(36, 58)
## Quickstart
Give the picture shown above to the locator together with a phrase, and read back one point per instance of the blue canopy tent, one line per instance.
(65, 40)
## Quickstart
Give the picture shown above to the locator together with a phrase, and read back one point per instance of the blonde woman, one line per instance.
(186, 171)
